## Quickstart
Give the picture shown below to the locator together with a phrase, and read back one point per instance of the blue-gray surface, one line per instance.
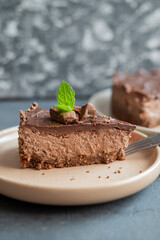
(82, 41)
(134, 218)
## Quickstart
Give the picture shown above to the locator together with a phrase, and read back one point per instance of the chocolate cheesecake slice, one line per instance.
(53, 138)
(136, 97)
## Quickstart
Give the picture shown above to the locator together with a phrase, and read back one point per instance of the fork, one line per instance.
(144, 143)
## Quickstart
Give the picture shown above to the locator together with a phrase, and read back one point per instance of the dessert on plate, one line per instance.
(68, 135)
(136, 97)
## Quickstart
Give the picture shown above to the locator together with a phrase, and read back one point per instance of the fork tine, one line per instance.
(144, 143)
(151, 138)
(149, 144)
(138, 144)
(138, 149)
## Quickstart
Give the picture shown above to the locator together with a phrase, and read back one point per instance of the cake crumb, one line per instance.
(43, 173)
(107, 177)
(109, 167)
(115, 172)
(87, 171)
(118, 171)
(140, 171)
(120, 167)
(72, 179)
(99, 176)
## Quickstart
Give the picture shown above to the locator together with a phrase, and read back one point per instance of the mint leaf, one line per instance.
(63, 108)
(65, 97)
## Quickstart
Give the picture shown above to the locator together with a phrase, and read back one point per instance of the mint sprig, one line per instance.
(63, 108)
(65, 97)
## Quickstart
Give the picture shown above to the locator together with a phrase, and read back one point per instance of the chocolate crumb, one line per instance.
(99, 176)
(118, 171)
(107, 177)
(109, 167)
(72, 179)
(43, 173)
(140, 171)
(87, 171)
(115, 172)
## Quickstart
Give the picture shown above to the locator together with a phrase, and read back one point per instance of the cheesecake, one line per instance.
(54, 138)
(136, 97)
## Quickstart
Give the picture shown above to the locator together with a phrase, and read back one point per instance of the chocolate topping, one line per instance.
(78, 114)
(87, 110)
(63, 117)
(77, 109)
(142, 82)
(40, 119)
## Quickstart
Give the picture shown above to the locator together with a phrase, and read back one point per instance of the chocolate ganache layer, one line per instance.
(40, 118)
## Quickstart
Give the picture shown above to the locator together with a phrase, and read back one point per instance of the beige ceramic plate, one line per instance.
(102, 102)
(76, 185)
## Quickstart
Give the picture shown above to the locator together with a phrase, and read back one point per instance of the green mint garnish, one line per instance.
(65, 97)
(63, 108)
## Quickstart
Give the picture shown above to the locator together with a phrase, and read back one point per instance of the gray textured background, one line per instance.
(81, 41)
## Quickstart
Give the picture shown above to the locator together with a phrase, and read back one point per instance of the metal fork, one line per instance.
(144, 143)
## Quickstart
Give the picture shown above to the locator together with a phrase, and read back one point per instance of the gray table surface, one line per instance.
(134, 217)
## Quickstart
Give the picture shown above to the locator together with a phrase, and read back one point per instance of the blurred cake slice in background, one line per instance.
(136, 97)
